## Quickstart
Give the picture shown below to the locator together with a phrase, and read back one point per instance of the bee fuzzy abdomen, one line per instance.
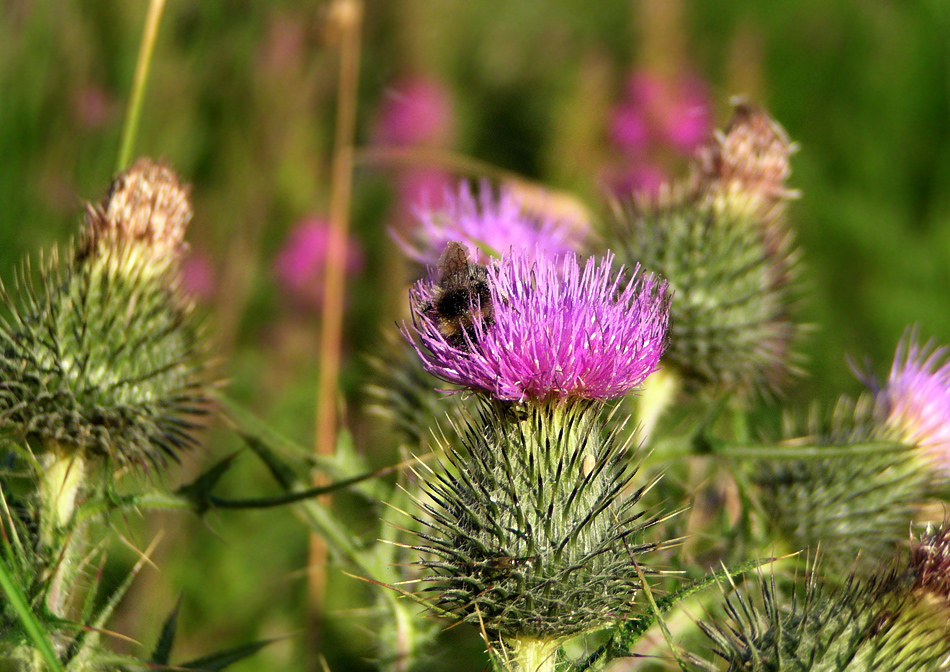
(461, 299)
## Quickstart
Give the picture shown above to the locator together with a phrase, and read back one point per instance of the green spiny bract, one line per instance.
(537, 532)
(882, 624)
(100, 356)
(855, 508)
(721, 243)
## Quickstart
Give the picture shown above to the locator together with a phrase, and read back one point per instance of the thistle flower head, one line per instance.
(487, 225)
(140, 222)
(100, 356)
(914, 402)
(556, 330)
(721, 242)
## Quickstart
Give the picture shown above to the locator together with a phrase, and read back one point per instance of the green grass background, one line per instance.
(241, 102)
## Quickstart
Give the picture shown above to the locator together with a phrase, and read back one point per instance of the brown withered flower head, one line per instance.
(747, 165)
(145, 212)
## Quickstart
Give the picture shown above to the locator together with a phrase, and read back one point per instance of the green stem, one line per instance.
(678, 446)
(61, 476)
(532, 655)
(142, 67)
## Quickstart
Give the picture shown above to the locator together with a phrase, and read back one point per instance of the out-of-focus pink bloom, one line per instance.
(657, 111)
(915, 400)
(415, 111)
(299, 265)
(283, 48)
(93, 106)
(487, 225)
(655, 116)
(630, 131)
(198, 277)
(688, 121)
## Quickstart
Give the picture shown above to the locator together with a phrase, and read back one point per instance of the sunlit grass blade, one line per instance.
(33, 627)
(142, 67)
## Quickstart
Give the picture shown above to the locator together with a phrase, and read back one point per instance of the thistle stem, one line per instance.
(61, 476)
(348, 15)
(533, 655)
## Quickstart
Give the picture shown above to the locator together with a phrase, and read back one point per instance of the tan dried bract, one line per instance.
(752, 154)
(145, 204)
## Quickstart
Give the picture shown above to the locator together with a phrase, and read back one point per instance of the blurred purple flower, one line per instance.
(558, 331)
(629, 130)
(687, 121)
(487, 226)
(299, 264)
(197, 276)
(284, 47)
(416, 111)
(915, 400)
(657, 112)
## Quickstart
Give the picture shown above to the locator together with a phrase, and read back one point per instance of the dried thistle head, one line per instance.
(747, 165)
(145, 214)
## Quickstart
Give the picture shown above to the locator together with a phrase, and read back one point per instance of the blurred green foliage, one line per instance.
(241, 102)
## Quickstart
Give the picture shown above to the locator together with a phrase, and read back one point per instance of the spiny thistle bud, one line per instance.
(536, 532)
(721, 242)
(100, 357)
(913, 405)
(855, 508)
(488, 225)
(872, 625)
(145, 215)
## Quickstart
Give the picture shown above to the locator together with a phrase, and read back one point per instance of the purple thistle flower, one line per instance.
(486, 225)
(915, 399)
(557, 330)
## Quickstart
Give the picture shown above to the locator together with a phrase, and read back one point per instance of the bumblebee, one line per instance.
(460, 299)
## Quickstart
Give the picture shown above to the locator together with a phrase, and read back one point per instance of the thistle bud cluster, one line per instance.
(898, 619)
(101, 369)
